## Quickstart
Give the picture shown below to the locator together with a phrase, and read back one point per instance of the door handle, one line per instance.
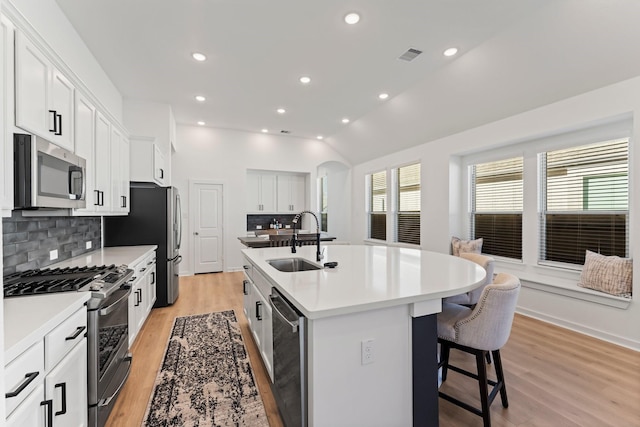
(55, 121)
(63, 386)
(27, 380)
(59, 121)
(49, 405)
(77, 332)
(258, 311)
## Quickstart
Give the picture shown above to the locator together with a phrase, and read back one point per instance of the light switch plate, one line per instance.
(53, 254)
(88, 245)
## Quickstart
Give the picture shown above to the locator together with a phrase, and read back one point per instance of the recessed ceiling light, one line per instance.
(200, 98)
(305, 80)
(281, 110)
(201, 123)
(383, 95)
(265, 130)
(319, 137)
(199, 56)
(352, 18)
(450, 52)
(345, 120)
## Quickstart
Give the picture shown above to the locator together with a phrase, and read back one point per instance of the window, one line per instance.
(585, 201)
(408, 215)
(496, 206)
(378, 205)
(323, 203)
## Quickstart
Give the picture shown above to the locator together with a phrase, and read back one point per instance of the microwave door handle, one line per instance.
(75, 194)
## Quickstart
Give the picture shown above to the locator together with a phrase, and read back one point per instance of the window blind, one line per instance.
(496, 206)
(408, 218)
(585, 201)
(378, 204)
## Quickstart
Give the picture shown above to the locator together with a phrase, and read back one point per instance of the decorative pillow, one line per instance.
(459, 246)
(610, 274)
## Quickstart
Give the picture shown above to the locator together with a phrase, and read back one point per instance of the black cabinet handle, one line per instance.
(97, 198)
(28, 378)
(59, 124)
(138, 297)
(244, 287)
(153, 277)
(161, 173)
(49, 405)
(78, 331)
(258, 311)
(55, 121)
(63, 386)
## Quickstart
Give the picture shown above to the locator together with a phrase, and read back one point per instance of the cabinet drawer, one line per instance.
(262, 284)
(23, 375)
(64, 337)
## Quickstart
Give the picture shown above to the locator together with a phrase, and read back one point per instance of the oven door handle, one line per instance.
(106, 401)
(111, 307)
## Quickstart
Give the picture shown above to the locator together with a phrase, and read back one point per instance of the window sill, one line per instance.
(560, 282)
(375, 242)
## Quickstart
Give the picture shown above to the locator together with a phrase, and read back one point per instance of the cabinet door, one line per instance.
(266, 344)
(131, 313)
(32, 411)
(247, 288)
(103, 164)
(85, 144)
(254, 203)
(151, 288)
(143, 297)
(116, 170)
(61, 95)
(6, 113)
(268, 192)
(66, 387)
(298, 193)
(284, 193)
(32, 77)
(125, 158)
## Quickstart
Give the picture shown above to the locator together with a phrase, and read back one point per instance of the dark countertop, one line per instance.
(261, 242)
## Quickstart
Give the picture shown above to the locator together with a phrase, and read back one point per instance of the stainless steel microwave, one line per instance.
(45, 175)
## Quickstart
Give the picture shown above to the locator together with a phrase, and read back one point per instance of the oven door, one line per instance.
(109, 358)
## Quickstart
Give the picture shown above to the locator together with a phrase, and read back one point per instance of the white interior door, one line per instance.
(206, 204)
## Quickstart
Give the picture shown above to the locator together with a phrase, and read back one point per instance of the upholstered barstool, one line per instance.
(478, 331)
(471, 298)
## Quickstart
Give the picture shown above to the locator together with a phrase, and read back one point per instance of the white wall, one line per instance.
(224, 156)
(442, 200)
(58, 33)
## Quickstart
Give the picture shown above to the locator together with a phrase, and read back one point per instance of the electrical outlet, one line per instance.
(368, 353)
(258, 227)
(88, 245)
(287, 226)
(53, 254)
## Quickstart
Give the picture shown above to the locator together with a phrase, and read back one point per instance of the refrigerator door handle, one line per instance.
(179, 221)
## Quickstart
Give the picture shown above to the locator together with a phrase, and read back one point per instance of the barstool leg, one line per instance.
(444, 359)
(500, 378)
(482, 384)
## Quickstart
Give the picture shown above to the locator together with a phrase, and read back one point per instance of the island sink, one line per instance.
(291, 265)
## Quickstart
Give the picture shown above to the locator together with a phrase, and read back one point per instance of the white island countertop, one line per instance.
(367, 277)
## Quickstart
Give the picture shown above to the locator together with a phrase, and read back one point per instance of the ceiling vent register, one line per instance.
(410, 55)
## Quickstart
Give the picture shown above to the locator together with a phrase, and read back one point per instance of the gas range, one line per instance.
(99, 280)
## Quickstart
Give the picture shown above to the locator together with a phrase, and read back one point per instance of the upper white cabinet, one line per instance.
(102, 190)
(6, 114)
(119, 172)
(44, 97)
(275, 192)
(261, 192)
(291, 193)
(85, 120)
(147, 161)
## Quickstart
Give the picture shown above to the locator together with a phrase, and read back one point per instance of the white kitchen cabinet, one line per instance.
(46, 385)
(147, 161)
(257, 309)
(7, 109)
(66, 387)
(103, 189)
(119, 172)
(291, 193)
(85, 121)
(261, 192)
(44, 96)
(32, 412)
(143, 294)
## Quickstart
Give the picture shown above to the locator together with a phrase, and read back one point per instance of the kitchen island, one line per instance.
(382, 298)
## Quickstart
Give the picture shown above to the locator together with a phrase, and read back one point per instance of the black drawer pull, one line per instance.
(49, 405)
(27, 380)
(78, 331)
(258, 310)
(63, 386)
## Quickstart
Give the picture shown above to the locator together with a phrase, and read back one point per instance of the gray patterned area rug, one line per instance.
(205, 378)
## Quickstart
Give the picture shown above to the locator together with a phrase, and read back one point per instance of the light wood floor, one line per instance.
(554, 377)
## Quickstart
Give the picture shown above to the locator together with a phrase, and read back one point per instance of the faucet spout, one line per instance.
(293, 237)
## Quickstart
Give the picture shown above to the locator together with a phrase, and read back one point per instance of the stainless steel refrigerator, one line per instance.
(154, 219)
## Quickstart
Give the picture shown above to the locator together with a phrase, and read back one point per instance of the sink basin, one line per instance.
(291, 265)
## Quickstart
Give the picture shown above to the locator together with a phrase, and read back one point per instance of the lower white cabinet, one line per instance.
(143, 294)
(46, 385)
(257, 309)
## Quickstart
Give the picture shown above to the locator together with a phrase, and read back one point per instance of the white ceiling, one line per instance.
(514, 55)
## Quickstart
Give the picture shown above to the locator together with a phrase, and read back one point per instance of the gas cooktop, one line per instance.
(97, 279)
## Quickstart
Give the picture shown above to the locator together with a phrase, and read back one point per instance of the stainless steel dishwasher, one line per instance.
(289, 361)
